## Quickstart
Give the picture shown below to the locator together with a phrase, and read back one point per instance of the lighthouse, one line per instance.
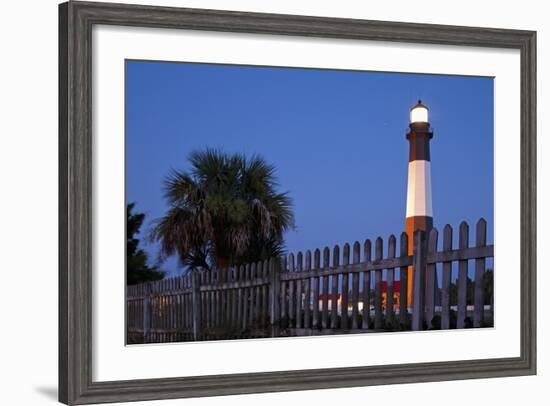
(419, 186)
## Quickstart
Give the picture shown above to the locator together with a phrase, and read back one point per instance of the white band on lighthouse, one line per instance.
(419, 189)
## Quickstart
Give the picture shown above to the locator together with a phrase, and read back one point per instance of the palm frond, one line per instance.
(226, 209)
(181, 189)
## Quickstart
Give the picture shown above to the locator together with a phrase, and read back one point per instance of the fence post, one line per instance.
(446, 280)
(419, 283)
(462, 282)
(378, 254)
(403, 283)
(147, 312)
(431, 279)
(196, 300)
(479, 287)
(389, 283)
(274, 296)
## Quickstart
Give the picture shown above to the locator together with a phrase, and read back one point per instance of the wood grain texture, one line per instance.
(390, 281)
(431, 280)
(419, 282)
(446, 280)
(367, 247)
(403, 282)
(307, 293)
(344, 316)
(355, 287)
(75, 208)
(316, 289)
(324, 305)
(378, 253)
(479, 291)
(334, 288)
(462, 282)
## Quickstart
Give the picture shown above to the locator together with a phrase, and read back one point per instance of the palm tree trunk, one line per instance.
(222, 263)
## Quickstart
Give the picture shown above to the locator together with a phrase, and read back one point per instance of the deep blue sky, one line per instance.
(337, 139)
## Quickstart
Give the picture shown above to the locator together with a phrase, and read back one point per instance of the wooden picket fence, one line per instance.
(320, 292)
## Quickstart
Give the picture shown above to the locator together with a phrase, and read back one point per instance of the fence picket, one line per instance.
(213, 295)
(172, 306)
(299, 285)
(291, 293)
(275, 296)
(345, 289)
(218, 295)
(258, 294)
(265, 295)
(419, 283)
(252, 294)
(316, 289)
(462, 277)
(179, 309)
(431, 279)
(227, 298)
(403, 282)
(246, 304)
(196, 311)
(389, 283)
(479, 289)
(307, 293)
(366, 287)
(147, 313)
(208, 294)
(229, 294)
(240, 297)
(446, 280)
(326, 264)
(378, 286)
(334, 300)
(236, 302)
(355, 287)
(222, 303)
(284, 293)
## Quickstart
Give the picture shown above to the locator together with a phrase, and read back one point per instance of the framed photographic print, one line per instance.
(259, 202)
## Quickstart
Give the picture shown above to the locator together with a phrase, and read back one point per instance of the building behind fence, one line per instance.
(336, 291)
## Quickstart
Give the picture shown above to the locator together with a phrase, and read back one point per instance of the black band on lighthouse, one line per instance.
(419, 137)
(419, 146)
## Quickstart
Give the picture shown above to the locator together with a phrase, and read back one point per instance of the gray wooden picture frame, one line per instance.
(76, 20)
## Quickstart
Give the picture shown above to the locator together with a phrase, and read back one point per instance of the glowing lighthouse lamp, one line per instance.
(419, 113)
(419, 187)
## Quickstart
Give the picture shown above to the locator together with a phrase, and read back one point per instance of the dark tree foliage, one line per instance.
(137, 270)
(470, 287)
(225, 211)
(488, 281)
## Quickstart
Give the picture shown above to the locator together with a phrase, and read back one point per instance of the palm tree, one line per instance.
(225, 211)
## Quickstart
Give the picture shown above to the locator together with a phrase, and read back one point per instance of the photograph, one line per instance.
(273, 201)
(267, 201)
(276, 202)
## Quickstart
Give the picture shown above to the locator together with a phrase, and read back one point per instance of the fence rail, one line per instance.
(322, 292)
